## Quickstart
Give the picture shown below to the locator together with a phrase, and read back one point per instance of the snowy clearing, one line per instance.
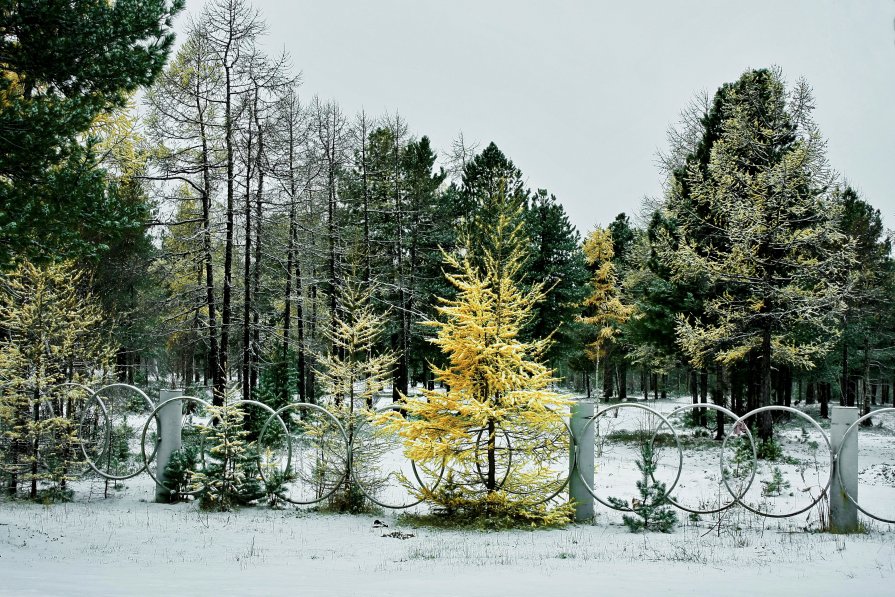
(124, 546)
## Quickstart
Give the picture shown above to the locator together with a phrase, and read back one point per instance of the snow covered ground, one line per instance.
(126, 545)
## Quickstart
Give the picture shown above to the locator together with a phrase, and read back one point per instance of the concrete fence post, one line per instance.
(170, 421)
(582, 413)
(843, 513)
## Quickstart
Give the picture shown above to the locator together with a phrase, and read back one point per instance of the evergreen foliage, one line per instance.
(54, 197)
(230, 477)
(558, 259)
(866, 322)
(651, 509)
(179, 471)
(607, 311)
(773, 254)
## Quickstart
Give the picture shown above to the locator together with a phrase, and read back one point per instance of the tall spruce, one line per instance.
(558, 259)
(54, 194)
(866, 323)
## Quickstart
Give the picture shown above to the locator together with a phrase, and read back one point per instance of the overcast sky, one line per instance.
(580, 94)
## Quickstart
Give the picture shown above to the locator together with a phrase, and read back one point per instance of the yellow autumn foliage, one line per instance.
(53, 334)
(498, 429)
(604, 303)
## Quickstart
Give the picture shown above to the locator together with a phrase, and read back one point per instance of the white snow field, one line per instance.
(127, 545)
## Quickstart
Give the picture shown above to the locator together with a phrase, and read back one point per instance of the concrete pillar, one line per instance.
(170, 420)
(843, 513)
(582, 413)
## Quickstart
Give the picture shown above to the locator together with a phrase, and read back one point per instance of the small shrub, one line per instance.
(769, 449)
(275, 487)
(180, 470)
(55, 495)
(454, 506)
(777, 484)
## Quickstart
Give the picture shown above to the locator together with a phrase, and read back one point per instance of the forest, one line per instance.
(189, 215)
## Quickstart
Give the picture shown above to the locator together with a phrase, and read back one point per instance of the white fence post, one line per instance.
(582, 413)
(843, 513)
(170, 421)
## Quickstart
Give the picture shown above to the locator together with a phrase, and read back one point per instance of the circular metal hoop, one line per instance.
(333, 419)
(853, 428)
(96, 396)
(788, 409)
(664, 421)
(508, 449)
(147, 460)
(271, 413)
(107, 436)
(356, 478)
(573, 454)
(732, 415)
(142, 394)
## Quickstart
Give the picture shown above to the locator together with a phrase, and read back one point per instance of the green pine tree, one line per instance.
(652, 513)
(55, 199)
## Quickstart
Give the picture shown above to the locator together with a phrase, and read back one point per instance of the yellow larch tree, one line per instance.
(352, 374)
(604, 307)
(498, 428)
(53, 334)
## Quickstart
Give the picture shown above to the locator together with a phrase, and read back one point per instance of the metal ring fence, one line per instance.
(147, 459)
(736, 497)
(652, 413)
(853, 428)
(739, 425)
(299, 431)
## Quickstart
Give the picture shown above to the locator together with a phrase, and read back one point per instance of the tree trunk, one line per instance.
(786, 374)
(310, 375)
(212, 367)
(865, 381)
(300, 328)
(226, 303)
(843, 381)
(255, 354)
(736, 392)
(693, 385)
(765, 421)
(245, 372)
(608, 381)
(718, 391)
(287, 291)
(622, 380)
(753, 382)
(35, 446)
(491, 484)
(703, 397)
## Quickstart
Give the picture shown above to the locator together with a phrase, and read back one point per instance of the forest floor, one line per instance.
(127, 545)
